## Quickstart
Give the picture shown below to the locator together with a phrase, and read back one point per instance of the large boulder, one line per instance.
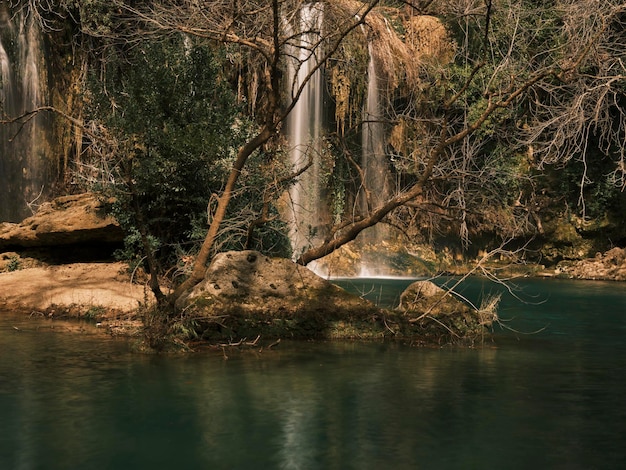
(68, 220)
(440, 316)
(245, 293)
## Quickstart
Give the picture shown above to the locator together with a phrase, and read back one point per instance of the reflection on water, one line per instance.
(550, 400)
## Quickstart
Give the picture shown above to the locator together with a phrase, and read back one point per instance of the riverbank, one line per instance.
(104, 293)
(608, 266)
(100, 292)
(105, 290)
(244, 295)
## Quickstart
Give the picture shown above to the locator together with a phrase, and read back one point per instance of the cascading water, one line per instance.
(307, 213)
(24, 163)
(376, 170)
(373, 138)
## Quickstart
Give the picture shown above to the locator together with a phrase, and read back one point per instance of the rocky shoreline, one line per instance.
(55, 264)
(609, 266)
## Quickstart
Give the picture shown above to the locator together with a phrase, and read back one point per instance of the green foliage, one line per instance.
(97, 17)
(174, 120)
(94, 312)
(177, 128)
(490, 174)
(133, 251)
(599, 193)
(13, 264)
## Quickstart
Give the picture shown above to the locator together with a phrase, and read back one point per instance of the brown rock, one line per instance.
(425, 296)
(245, 294)
(67, 220)
(609, 266)
(79, 284)
(440, 316)
(256, 282)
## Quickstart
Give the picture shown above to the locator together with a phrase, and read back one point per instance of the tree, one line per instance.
(552, 76)
(525, 64)
(540, 69)
(260, 29)
(172, 121)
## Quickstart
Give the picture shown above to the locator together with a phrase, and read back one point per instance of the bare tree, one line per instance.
(587, 104)
(571, 82)
(569, 77)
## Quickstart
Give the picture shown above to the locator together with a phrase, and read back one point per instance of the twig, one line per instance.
(387, 326)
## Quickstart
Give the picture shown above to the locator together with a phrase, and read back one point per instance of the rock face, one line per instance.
(67, 220)
(440, 316)
(246, 293)
(610, 266)
(85, 285)
(254, 276)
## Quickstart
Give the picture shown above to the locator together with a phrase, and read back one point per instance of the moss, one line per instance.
(348, 80)
(565, 232)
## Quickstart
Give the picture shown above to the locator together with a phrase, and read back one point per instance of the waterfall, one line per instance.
(376, 173)
(24, 163)
(373, 158)
(307, 213)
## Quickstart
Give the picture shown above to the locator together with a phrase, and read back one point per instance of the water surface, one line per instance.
(554, 399)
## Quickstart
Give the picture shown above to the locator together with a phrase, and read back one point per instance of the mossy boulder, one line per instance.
(440, 317)
(246, 294)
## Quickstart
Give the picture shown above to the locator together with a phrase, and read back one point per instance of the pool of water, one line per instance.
(552, 399)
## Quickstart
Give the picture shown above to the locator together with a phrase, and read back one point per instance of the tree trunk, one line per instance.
(353, 230)
(199, 266)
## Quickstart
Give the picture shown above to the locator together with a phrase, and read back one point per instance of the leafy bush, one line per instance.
(14, 264)
(177, 127)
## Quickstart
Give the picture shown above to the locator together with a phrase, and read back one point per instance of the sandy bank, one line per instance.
(83, 284)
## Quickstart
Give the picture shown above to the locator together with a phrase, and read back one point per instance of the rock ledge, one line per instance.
(67, 220)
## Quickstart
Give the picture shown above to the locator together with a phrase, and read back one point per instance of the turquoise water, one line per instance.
(553, 399)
